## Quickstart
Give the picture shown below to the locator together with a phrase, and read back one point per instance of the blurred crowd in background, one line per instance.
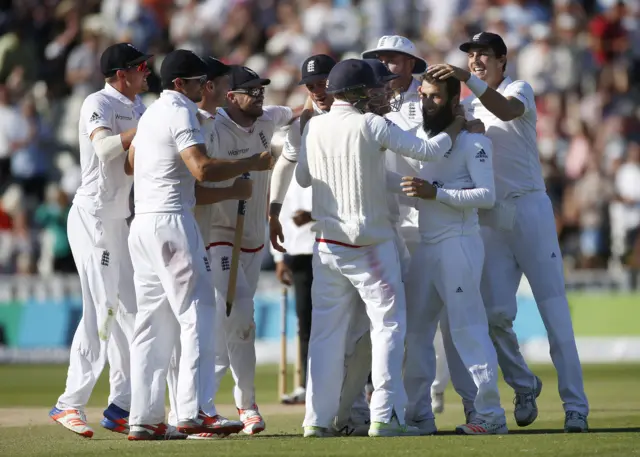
(582, 58)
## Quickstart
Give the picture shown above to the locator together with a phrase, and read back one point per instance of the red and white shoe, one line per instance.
(151, 432)
(72, 419)
(220, 428)
(209, 424)
(252, 420)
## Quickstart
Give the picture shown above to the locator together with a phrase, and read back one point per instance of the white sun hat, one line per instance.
(396, 43)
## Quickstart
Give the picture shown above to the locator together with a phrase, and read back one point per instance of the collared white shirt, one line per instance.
(232, 141)
(162, 181)
(105, 188)
(516, 161)
(203, 213)
(464, 178)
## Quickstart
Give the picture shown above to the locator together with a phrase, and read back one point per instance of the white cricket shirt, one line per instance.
(464, 178)
(409, 119)
(203, 213)
(342, 158)
(232, 141)
(162, 182)
(104, 189)
(516, 162)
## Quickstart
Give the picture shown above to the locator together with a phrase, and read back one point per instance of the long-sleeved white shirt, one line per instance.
(516, 158)
(231, 141)
(409, 119)
(346, 169)
(464, 178)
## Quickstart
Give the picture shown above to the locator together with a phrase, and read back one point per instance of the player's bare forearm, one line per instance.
(222, 169)
(127, 137)
(128, 163)
(504, 108)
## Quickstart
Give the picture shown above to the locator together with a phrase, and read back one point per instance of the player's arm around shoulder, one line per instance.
(303, 175)
(279, 115)
(479, 161)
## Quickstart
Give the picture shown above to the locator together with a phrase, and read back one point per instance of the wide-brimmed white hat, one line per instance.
(396, 43)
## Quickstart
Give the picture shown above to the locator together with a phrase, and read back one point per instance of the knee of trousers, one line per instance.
(240, 326)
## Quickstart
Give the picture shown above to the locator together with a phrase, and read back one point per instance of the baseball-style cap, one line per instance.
(486, 40)
(245, 78)
(400, 44)
(121, 56)
(316, 68)
(181, 64)
(381, 71)
(351, 74)
(216, 68)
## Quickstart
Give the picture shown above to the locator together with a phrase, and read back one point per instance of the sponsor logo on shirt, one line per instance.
(481, 155)
(447, 154)
(437, 184)
(263, 139)
(235, 152)
(121, 116)
(94, 117)
(104, 261)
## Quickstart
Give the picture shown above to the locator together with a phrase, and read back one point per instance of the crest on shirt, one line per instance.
(412, 111)
(263, 139)
(437, 184)
(481, 155)
(224, 263)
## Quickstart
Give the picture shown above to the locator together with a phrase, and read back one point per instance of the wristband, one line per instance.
(476, 85)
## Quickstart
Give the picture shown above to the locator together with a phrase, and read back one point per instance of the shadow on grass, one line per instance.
(559, 431)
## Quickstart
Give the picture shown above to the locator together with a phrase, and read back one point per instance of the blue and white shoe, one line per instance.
(115, 419)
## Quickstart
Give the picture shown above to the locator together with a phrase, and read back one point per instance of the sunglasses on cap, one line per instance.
(254, 92)
(201, 79)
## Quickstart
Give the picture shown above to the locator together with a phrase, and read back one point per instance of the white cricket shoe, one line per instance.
(482, 427)
(525, 410)
(317, 432)
(297, 397)
(221, 427)
(72, 419)
(172, 433)
(437, 402)
(252, 420)
(426, 426)
(575, 422)
(393, 428)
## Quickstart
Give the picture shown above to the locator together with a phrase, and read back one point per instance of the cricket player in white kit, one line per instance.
(400, 55)
(519, 233)
(98, 231)
(355, 252)
(207, 194)
(447, 266)
(315, 70)
(172, 272)
(243, 128)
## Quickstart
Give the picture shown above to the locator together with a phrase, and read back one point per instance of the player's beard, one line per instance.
(436, 122)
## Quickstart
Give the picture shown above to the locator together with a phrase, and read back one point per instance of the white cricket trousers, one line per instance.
(520, 237)
(447, 274)
(236, 334)
(340, 274)
(175, 303)
(99, 248)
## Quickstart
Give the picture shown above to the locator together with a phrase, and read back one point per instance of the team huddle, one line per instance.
(426, 211)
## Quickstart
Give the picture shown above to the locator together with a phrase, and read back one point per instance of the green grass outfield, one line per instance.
(27, 392)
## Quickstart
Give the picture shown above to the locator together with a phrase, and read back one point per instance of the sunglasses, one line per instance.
(201, 79)
(255, 92)
(142, 67)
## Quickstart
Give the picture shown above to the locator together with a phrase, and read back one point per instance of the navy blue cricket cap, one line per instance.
(489, 40)
(181, 64)
(245, 78)
(352, 74)
(316, 68)
(216, 68)
(381, 71)
(121, 56)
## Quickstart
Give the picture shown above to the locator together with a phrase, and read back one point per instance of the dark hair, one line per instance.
(168, 85)
(452, 84)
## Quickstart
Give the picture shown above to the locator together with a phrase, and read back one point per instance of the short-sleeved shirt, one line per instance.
(105, 188)
(162, 181)
(516, 161)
